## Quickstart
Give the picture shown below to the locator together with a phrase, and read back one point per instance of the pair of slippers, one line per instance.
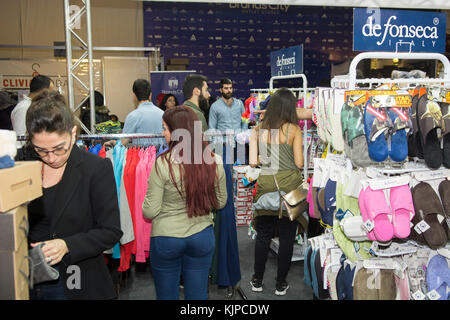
(386, 130)
(431, 124)
(326, 202)
(416, 270)
(344, 281)
(429, 209)
(387, 221)
(438, 277)
(372, 285)
(311, 198)
(322, 202)
(313, 273)
(352, 123)
(354, 250)
(332, 104)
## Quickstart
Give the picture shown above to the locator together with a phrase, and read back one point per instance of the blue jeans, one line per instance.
(193, 255)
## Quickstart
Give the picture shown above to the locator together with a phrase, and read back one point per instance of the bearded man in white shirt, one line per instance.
(18, 115)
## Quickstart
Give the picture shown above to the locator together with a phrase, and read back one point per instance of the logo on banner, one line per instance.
(173, 83)
(398, 30)
(287, 61)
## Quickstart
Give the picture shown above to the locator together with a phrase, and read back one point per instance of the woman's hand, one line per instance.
(54, 250)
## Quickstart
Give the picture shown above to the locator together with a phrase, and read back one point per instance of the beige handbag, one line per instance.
(294, 201)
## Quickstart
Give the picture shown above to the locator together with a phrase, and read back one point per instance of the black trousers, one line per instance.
(266, 227)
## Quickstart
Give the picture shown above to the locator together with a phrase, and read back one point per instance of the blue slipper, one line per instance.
(438, 276)
(399, 142)
(307, 270)
(330, 202)
(376, 124)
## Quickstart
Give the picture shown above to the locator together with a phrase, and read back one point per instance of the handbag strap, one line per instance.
(276, 183)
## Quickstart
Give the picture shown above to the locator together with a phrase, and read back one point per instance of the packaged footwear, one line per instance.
(429, 217)
(429, 120)
(438, 278)
(401, 122)
(402, 210)
(376, 127)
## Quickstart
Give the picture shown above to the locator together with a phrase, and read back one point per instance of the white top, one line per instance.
(18, 116)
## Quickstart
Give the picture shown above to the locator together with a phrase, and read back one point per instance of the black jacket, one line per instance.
(85, 215)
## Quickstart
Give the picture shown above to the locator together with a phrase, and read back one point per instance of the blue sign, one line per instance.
(287, 61)
(398, 30)
(168, 82)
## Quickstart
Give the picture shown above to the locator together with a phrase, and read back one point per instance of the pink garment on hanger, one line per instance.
(310, 199)
(143, 226)
(148, 226)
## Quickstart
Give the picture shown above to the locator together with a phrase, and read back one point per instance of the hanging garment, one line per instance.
(143, 226)
(126, 223)
(229, 272)
(126, 250)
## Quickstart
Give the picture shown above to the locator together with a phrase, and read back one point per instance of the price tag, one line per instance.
(368, 225)
(433, 295)
(418, 295)
(422, 226)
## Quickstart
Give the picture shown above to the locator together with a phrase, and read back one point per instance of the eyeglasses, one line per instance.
(57, 152)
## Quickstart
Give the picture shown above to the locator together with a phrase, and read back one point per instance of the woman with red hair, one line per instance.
(187, 182)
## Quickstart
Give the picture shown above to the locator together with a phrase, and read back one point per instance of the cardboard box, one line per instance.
(20, 184)
(176, 67)
(183, 61)
(13, 228)
(14, 271)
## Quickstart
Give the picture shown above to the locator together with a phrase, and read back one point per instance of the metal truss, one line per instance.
(71, 23)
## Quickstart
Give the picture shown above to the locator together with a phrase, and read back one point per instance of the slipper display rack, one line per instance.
(389, 238)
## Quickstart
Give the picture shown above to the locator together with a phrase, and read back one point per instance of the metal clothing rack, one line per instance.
(230, 290)
(350, 81)
(398, 55)
(304, 88)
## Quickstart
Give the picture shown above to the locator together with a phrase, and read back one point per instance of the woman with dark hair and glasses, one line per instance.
(77, 218)
(186, 183)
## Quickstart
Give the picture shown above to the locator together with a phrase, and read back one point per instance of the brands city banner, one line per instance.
(287, 61)
(398, 30)
(234, 40)
(168, 82)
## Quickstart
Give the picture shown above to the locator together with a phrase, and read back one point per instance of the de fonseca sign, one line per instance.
(398, 30)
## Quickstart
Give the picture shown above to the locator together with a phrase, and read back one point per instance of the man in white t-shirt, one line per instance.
(18, 115)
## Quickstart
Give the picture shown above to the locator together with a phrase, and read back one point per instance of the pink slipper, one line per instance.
(378, 211)
(365, 214)
(402, 205)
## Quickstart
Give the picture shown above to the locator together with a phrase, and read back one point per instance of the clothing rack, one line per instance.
(304, 88)
(230, 290)
(119, 136)
(349, 81)
(398, 55)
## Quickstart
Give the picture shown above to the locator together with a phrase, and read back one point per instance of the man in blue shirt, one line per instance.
(146, 118)
(226, 112)
(225, 115)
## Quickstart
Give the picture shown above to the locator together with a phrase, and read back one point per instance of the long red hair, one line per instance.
(198, 177)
